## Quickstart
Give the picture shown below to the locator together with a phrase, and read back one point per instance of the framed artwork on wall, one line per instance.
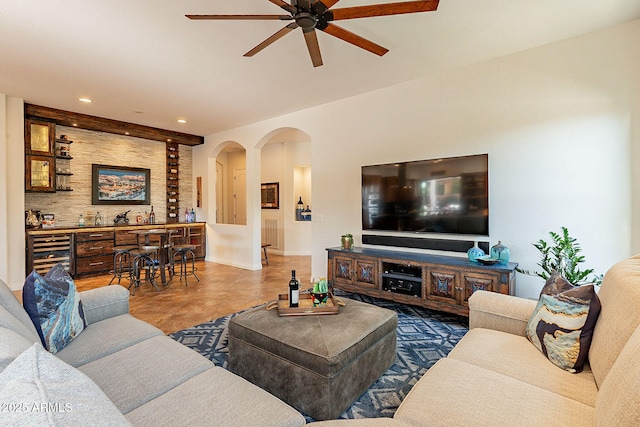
(270, 195)
(120, 185)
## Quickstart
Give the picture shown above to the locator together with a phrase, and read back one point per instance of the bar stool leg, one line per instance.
(193, 265)
(119, 260)
(151, 271)
(134, 274)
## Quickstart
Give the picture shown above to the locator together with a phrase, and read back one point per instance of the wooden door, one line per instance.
(473, 281)
(442, 285)
(366, 272)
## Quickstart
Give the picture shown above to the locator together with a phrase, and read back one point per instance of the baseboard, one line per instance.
(233, 263)
(447, 245)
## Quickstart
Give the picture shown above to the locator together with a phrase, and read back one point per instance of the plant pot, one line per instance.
(347, 242)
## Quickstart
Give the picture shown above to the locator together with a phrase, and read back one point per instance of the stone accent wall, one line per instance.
(90, 147)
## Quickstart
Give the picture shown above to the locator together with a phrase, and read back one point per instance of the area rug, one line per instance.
(424, 336)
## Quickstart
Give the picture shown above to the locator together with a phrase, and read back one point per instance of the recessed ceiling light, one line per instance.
(85, 100)
(126, 133)
(74, 124)
(168, 139)
(182, 121)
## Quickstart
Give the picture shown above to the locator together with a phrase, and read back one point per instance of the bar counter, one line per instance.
(107, 227)
(89, 250)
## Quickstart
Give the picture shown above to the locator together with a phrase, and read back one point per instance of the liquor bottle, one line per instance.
(193, 215)
(98, 219)
(294, 290)
(299, 210)
(81, 221)
(186, 215)
(152, 216)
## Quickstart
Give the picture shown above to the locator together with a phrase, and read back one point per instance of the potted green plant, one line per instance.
(346, 241)
(562, 254)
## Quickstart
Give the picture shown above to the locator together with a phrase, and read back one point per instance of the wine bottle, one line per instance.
(294, 290)
(152, 216)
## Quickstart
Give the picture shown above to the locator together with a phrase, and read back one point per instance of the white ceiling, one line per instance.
(142, 61)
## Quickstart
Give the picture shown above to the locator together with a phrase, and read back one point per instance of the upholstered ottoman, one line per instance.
(318, 364)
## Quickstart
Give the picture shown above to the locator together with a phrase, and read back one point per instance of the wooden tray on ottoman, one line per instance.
(305, 306)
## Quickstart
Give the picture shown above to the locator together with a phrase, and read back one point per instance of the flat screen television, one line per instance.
(448, 195)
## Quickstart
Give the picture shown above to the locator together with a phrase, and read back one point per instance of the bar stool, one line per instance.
(121, 262)
(184, 251)
(144, 259)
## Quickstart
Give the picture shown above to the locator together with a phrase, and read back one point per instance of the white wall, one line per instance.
(12, 243)
(559, 123)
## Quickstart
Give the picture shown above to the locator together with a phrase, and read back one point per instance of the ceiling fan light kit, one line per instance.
(312, 15)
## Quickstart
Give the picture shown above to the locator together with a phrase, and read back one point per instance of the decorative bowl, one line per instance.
(487, 260)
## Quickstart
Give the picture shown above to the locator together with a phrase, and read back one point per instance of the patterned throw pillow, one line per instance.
(54, 306)
(562, 323)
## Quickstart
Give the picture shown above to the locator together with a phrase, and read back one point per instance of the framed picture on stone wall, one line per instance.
(120, 185)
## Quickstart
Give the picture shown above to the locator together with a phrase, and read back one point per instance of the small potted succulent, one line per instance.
(346, 241)
(320, 292)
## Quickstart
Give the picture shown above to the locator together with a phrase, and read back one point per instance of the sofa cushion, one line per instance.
(620, 392)
(9, 322)
(104, 302)
(216, 397)
(137, 374)
(515, 357)
(13, 316)
(105, 337)
(455, 393)
(39, 389)
(562, 323)
(619, 317)
(12, 345)
(54, 306)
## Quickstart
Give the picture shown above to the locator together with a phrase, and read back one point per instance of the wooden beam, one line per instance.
(84, 121)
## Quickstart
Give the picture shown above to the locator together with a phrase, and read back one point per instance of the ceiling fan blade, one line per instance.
(384, 9)
(217, 17)
(311, 38)
(286, 6)
(327, 3)
(355, 39)
(276, 36)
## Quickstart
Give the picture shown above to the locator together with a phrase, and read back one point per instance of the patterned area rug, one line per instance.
(424, 336)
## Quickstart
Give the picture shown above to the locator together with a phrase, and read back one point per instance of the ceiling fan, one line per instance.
(312, 15)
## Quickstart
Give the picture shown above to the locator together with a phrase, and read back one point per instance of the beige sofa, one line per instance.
(496, 377)
(143, 377)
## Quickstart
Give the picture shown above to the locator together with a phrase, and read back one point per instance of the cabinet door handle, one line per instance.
(95, 235)
(93, 264)
(95, 247)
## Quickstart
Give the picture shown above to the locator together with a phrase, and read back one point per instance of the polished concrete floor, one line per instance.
(222, 290)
